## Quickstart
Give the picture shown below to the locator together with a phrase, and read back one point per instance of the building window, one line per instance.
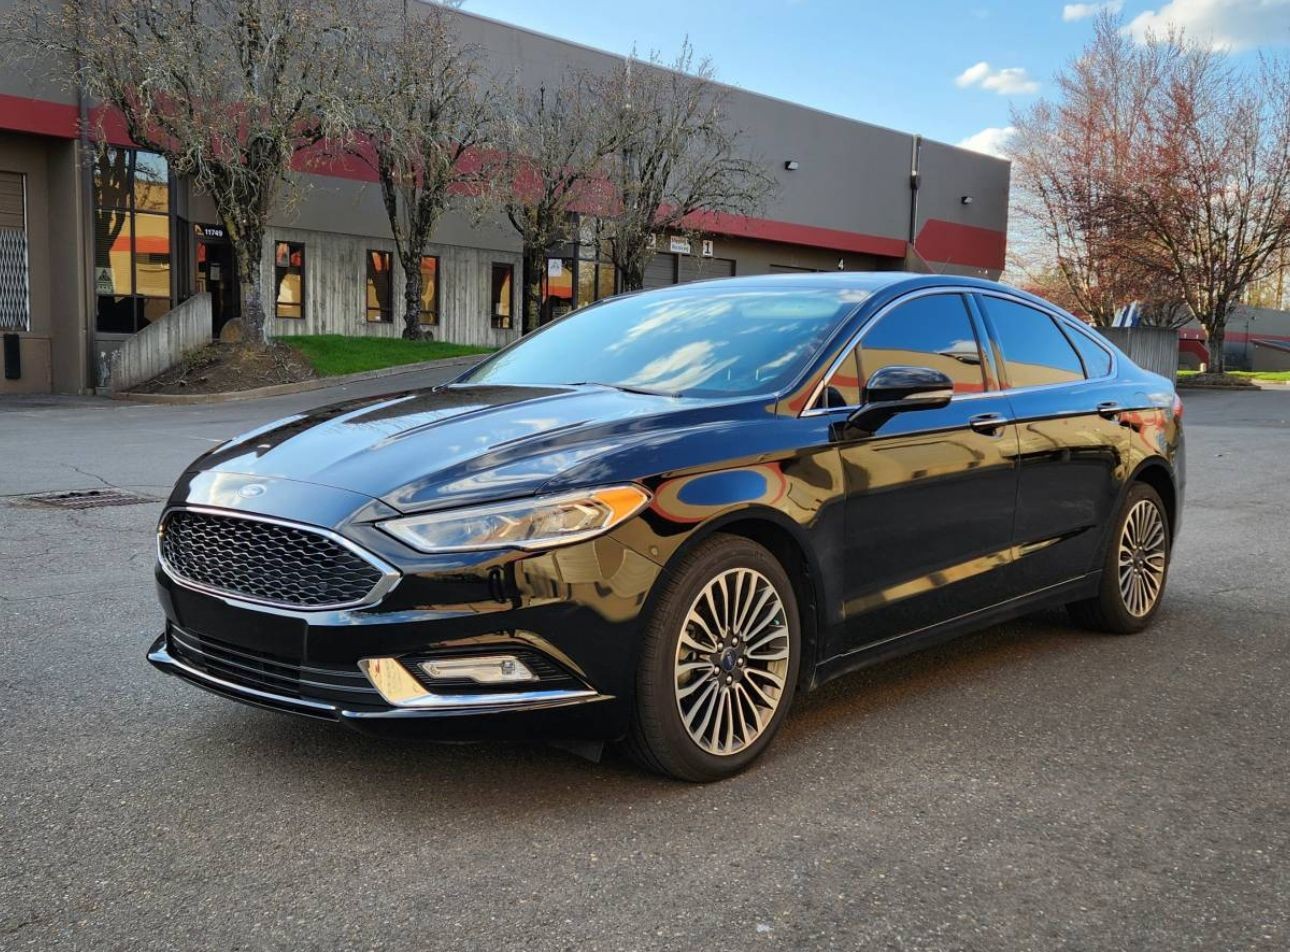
(379, 287)
(557, 289)
(597, 277)
(289, 278)
(429, 290)
(132, 256)
(502, 296)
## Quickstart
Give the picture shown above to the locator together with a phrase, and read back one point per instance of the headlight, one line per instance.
(536, 523)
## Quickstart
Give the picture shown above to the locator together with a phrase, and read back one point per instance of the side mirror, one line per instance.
(896, 389)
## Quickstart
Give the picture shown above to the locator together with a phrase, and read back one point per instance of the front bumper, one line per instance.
(582, 716)
(577, 608)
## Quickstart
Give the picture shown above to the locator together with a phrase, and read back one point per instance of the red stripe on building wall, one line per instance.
(939, 241)
(61, 120)
(20, 114)
(948, 242)
(790, 233)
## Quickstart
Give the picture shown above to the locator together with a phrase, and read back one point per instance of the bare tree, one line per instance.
(1070, 155)
(230, 92)
(417, 114)
(676, 158)
(1162, 175)
(550, 150)
(1210, 198)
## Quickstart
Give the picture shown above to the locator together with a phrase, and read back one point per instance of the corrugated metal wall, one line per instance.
(1152, 348)
(336, 289)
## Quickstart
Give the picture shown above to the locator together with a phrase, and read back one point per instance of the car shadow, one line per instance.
(414, 781)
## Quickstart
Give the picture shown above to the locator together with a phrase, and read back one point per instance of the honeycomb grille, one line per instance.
(264, 561)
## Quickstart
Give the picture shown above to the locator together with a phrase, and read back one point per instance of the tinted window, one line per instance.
(693, 341)
(1097, 361)
(933, 331)
(1035, 351)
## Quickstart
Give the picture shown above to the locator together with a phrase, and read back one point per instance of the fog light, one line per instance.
(482, 669)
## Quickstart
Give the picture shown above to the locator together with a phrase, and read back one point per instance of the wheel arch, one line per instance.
(784, 539)
(1157, 474)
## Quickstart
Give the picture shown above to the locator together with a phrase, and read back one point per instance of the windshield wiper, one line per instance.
(623, 387)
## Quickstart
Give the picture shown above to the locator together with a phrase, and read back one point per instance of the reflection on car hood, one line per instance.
(429, 448)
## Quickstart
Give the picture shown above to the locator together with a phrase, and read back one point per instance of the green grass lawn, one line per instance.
(1282, 376)
(334, 354)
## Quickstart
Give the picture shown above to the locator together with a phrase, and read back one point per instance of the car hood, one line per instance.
(426, 449)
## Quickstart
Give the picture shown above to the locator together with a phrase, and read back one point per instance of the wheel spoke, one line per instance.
(770, 676)
(778, 654)
(751, 705)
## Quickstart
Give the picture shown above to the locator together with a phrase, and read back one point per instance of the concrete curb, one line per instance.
(1257, 385)
(304, 386)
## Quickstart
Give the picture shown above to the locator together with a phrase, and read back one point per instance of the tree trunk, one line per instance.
(632, 274)
(1215, 333)
(532, 307)
(249, 248)
(412, 302)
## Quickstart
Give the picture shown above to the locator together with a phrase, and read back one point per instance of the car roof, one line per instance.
(874, 283)
(871, 281)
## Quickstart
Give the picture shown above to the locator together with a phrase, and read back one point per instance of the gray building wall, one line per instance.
(849, 202)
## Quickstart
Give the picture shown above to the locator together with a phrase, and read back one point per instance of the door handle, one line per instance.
(987, 422)
(1109, 410)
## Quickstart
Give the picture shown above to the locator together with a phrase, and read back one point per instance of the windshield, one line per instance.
(686, 341)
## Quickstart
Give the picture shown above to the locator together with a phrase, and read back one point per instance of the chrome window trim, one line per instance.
(812, 410)
(389, 574)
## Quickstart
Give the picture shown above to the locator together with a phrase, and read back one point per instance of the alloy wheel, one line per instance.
(732, 660)
(1142, 558)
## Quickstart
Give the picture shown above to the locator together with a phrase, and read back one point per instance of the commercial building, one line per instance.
(98, 243)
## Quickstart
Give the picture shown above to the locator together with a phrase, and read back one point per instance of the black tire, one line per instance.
(658, 738)
(1107, 610)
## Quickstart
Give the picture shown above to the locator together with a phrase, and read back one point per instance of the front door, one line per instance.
(931, 495)
(217, 276)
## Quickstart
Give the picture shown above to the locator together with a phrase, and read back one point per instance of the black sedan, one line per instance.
(661, 517)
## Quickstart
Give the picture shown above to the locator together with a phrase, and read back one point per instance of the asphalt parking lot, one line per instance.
(1029, 787)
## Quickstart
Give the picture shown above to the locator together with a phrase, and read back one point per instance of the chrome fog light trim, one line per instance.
(482, 669)
(401, 689)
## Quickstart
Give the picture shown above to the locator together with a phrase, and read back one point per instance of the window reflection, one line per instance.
(429, 290)
(933, 331)
(687, 341)
(289, 274)
(132, 253)
(502, 295)
(379, 287)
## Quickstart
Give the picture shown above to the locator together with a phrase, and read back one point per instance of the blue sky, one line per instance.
(949, 69)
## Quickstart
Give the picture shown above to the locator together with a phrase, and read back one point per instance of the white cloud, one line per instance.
(1082, 11)
(1223, 24)
(992, 141)
(1006, 82)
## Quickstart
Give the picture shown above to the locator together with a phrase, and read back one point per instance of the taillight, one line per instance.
(1178, 408)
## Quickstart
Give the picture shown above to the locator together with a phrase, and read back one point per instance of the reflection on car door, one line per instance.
(930, 496)
(1072, 445)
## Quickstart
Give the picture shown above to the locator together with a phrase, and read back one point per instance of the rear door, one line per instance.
(1072, 446)
(930, 496)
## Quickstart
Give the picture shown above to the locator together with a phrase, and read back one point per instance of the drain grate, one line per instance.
(83, 499)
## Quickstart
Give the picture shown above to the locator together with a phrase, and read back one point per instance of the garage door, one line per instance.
(660, 272)
(703, 269)
(15, 309)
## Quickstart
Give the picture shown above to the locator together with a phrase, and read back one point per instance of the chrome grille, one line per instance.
(265, 561)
